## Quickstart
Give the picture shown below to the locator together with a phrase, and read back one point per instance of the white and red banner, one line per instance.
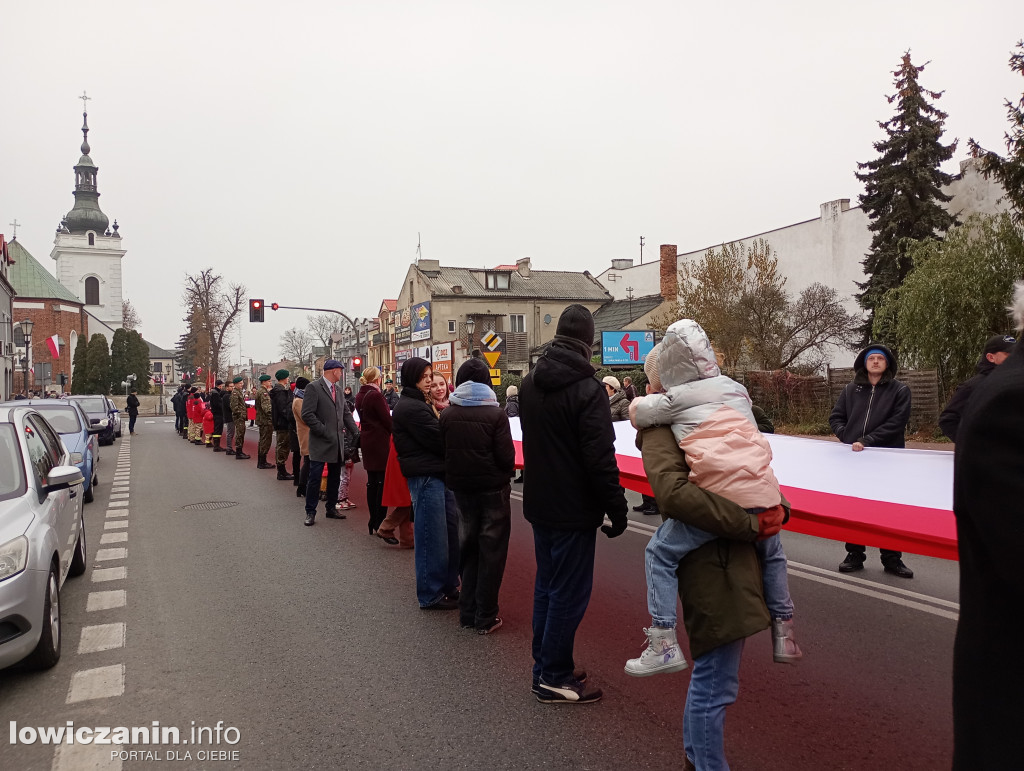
(53, 343)
(894, 499)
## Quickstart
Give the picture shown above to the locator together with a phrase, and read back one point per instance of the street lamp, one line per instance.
(470, 326)
(26, 331)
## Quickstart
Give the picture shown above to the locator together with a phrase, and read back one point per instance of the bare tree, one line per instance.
(323, 326)
(216, 308)
(130, 318)
(296, 345)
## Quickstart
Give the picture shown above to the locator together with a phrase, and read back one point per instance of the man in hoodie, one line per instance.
(479, 458)
(873, 411)
(569, 446)
(997, 349)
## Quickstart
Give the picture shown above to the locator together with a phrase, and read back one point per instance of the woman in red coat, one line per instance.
(374, 440)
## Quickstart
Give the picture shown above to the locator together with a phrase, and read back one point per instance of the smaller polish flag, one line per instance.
(53, 343)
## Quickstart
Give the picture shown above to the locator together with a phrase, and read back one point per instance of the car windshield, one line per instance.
(12, 473)
(92, 405)
(63, 419)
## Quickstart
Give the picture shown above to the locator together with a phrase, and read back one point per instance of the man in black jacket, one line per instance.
(873, 411)
(283, 420)
(479, 458)
(569, 447)
(180, 419)
(133, 410)
(997, 348)
(988, 500)
(217, 408)
(227, 418)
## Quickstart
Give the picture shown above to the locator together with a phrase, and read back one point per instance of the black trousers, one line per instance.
(374, 493)
(888, 556)
(485, 523)
(316, 470)
(302, 477)
(296, 456)
(132, 417)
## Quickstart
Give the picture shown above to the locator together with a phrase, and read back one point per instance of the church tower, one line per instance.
(88, 252)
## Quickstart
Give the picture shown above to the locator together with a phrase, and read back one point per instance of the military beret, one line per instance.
(219, 382)
(281, 374)
(264, 378)
(238, 379)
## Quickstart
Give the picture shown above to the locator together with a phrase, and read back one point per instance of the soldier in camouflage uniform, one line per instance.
(264, 421)
(284, 421)
(239, 410)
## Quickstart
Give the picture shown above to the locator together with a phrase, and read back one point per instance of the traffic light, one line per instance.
(63, 379)
(274, 306)
(357, 365)
(256, 310)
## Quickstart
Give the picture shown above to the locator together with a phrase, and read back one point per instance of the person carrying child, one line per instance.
(711, 420)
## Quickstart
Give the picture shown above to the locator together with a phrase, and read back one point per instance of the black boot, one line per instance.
(230, 450)
(240, 455)
(216, 444)
(282, 473)
(262, 462)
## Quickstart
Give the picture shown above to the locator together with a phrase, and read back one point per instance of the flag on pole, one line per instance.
(53, 343)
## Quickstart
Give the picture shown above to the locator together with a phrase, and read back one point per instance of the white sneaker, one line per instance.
(661, 655)
(784, 647)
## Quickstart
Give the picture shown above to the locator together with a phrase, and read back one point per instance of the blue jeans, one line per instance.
(674, 540)
(316, 472)
(714, 685)
(565, 579)
(436, 529)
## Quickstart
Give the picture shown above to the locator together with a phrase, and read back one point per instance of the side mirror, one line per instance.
(63, 477)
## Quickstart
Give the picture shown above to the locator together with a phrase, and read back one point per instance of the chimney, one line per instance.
(669, 271)
(429, 265)
(832, 209)
(457, 288)
(622, 264)
(523, 266)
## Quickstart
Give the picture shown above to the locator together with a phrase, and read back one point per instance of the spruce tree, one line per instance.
(119, 357)
(138, 361)
(98, 366)
(1009, 170)
(79, 368)
(903, 187)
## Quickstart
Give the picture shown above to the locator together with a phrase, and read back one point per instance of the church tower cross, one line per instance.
(15, 226)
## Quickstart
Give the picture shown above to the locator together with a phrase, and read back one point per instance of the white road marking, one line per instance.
(151, 422)
(109, 574)
(101, 637)
(113, 538)
(99, 683)
(118, 504)
(106, 600)
(85, 757)
(874, 585)
(113, 513)
(115, 523)
(106, 555)
(878, 595)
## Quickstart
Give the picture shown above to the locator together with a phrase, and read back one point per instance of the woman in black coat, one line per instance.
(374, 441)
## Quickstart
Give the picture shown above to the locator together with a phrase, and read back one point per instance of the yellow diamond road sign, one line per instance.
(492, 357)
(491, 340)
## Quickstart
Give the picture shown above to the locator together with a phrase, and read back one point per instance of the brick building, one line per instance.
(53, 309)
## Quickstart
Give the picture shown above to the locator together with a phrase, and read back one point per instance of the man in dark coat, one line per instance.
(227, 418)
(390, 394)
(239, 410)
(569, 447)
(479, 458)
(873, 411)
(997, 348)
(283, 421)
(133, 410)
(217, 408)
(180, 419)
(325, 411)
(988, 500)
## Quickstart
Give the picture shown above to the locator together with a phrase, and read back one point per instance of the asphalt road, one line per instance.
(309, 642)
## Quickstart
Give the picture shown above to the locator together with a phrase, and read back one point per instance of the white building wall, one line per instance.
(77, 260)
(644, 279)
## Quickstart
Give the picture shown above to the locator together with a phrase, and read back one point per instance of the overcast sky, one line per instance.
(299, 148)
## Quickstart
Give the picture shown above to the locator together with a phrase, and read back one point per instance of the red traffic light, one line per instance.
(256, 310)
(274, 306)
(356, 362)
(256, 304)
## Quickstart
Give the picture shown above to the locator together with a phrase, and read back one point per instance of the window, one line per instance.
(451, 326)
(92, 291)
(517, 322)
(38, 455)
(498, 280)
(158, 367)
(50, 439)
(92, 239)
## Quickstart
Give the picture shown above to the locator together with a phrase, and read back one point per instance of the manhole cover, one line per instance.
(209, 505)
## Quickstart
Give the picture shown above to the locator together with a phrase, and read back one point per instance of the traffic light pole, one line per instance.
(276, 306)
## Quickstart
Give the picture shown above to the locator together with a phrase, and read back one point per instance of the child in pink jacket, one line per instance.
(711, 419)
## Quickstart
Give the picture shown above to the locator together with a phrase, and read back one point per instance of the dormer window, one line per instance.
(498, 280)
(92, 239)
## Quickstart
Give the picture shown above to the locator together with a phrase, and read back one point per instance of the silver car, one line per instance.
(42, 536)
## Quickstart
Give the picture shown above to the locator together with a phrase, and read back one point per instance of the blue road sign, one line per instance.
(621, 347)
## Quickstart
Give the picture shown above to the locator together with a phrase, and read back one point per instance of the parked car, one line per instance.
(68, 420)
(98, 408)
(42, 536)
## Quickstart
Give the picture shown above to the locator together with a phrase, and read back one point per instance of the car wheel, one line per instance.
(87, 496)
(47, 652)
(78, 561)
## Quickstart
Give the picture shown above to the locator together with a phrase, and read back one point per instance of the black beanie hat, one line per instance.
(301, 382)
(475, 370)
(412, 371)
(578, 323)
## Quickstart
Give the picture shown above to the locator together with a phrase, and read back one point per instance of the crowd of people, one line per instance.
(440, 461)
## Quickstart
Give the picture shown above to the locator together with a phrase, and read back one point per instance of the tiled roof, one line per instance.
(390, 305)
(621, 313)
(32, 280)
(542, 284)
(155, 352)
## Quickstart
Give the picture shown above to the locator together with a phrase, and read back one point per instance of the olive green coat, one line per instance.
(719, 583)
(263, 408)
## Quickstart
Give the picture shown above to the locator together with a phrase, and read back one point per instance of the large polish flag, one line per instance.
(53, 343)
(894, 499)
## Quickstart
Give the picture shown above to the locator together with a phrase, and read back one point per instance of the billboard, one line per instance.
(403, 326)
(441, 356)
(421, 321)
(624, 347)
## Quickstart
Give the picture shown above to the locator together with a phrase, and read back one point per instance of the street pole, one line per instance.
(275, 306)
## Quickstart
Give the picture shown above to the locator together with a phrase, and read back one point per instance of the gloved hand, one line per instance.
(616, 528)
(769, 521)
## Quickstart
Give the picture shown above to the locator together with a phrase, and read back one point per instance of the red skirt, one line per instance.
(396, 489)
